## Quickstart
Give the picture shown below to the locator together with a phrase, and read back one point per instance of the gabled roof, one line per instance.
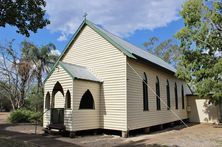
(127, 48)
(78, 72)
(136, 51)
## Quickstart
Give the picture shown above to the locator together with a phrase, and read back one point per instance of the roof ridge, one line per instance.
(118, 42)
(128, 43)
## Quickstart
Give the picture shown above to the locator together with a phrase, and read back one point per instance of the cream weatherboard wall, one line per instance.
(84, 119)
(201, 111)
(136, 116)
(66, 81)
(119, 98)
(108, 64)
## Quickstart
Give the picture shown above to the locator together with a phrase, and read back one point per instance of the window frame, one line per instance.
(66, 100)
(183, 100)
(158, 101)
(168, 95)
(145, 93)
(176, 96)
(47, 101)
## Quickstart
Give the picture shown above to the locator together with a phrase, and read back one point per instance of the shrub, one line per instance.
(34, 100)
(24, 116)
(36, 116)
(5, 104)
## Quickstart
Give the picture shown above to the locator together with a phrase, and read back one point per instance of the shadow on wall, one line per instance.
(211, 111)
(102, 106)
(194, 114)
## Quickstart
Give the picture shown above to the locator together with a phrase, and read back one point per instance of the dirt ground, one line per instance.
(3, 117)
(204, 135)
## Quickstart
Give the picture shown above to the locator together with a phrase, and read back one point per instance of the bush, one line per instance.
(5, 104)
(24, 116)
(34, 100)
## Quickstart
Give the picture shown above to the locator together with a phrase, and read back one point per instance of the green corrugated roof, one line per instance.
(128, 49)
(132, 50)
(79, 72)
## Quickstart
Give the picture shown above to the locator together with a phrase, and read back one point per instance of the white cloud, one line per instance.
(120, 17)
(55, 52)
(62, 37)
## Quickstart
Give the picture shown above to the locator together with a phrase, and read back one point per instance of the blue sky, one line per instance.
(132, 21)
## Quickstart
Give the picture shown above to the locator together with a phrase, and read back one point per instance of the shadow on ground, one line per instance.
(36, 140)
(157, 130)
(154, 130)
(92, 141)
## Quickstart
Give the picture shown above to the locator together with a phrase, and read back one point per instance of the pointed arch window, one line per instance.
(176, 96)
(47, 101)
(68, 100)
(158, 106)
(168, 95)
(182, 92)
(87, 101)
(145, 93)
(57, 88)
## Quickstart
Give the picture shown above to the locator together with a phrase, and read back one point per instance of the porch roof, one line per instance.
(79, 72)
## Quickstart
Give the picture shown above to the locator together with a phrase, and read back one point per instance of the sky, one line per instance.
(134, 21)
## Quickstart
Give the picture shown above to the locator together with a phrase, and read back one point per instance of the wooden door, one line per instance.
(57, 116)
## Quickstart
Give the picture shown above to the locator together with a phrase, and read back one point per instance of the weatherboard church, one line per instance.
(103, 82)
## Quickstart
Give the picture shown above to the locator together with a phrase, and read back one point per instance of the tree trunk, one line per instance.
(39, 78)
(12, 103)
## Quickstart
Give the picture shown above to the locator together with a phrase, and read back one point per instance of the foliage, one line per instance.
(19, 72)
(26, 15)
(42, 58)
(5, 104)
(34, 100)
(15, 75)
(24, 116)
(201, 41)
(167, 50)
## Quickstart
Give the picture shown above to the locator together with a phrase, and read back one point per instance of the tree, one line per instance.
(26, 15)
(43, 59)
(20, 71)
(201, 42)
(15, 76)
(34, 99)
(5, 104)
(167, 50)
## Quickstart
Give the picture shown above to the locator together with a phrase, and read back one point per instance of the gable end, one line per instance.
(92, 26)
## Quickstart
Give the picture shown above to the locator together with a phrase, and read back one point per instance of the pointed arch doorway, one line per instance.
(57, 107)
